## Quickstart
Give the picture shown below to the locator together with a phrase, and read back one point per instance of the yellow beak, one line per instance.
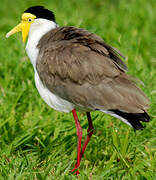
(24, 27)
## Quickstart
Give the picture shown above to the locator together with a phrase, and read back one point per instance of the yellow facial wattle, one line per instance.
(24, 26)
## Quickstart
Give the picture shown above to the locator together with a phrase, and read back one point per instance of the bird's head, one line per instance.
(29, 17)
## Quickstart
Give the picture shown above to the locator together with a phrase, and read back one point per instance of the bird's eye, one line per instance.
(29, 19)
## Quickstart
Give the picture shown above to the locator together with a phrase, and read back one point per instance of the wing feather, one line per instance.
(81, 68)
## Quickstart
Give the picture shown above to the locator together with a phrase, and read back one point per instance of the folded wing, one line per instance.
(81, 68)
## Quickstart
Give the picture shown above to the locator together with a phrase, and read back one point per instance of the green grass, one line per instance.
(37, 142)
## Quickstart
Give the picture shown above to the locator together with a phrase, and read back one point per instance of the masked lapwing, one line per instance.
(75, 70)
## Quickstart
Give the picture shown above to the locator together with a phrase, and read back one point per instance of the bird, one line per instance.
(76, 70)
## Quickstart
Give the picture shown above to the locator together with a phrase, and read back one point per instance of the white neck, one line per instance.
(37, 30)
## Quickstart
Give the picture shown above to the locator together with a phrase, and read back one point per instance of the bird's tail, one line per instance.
(132, 119)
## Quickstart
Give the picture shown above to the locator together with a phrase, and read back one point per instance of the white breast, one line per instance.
(37, 30)
(51, 99)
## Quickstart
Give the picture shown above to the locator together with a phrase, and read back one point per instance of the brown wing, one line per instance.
(79, 67)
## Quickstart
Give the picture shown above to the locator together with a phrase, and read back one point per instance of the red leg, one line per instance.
(90, 132)
(79, 134)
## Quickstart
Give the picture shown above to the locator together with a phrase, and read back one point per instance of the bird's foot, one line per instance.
(75, 171)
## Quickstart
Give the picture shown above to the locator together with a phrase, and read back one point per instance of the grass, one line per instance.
(37, 142)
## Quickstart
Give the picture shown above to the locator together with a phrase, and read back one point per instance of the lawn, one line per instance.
(37, 142)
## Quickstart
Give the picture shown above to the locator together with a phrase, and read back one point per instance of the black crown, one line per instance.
(41, 12)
